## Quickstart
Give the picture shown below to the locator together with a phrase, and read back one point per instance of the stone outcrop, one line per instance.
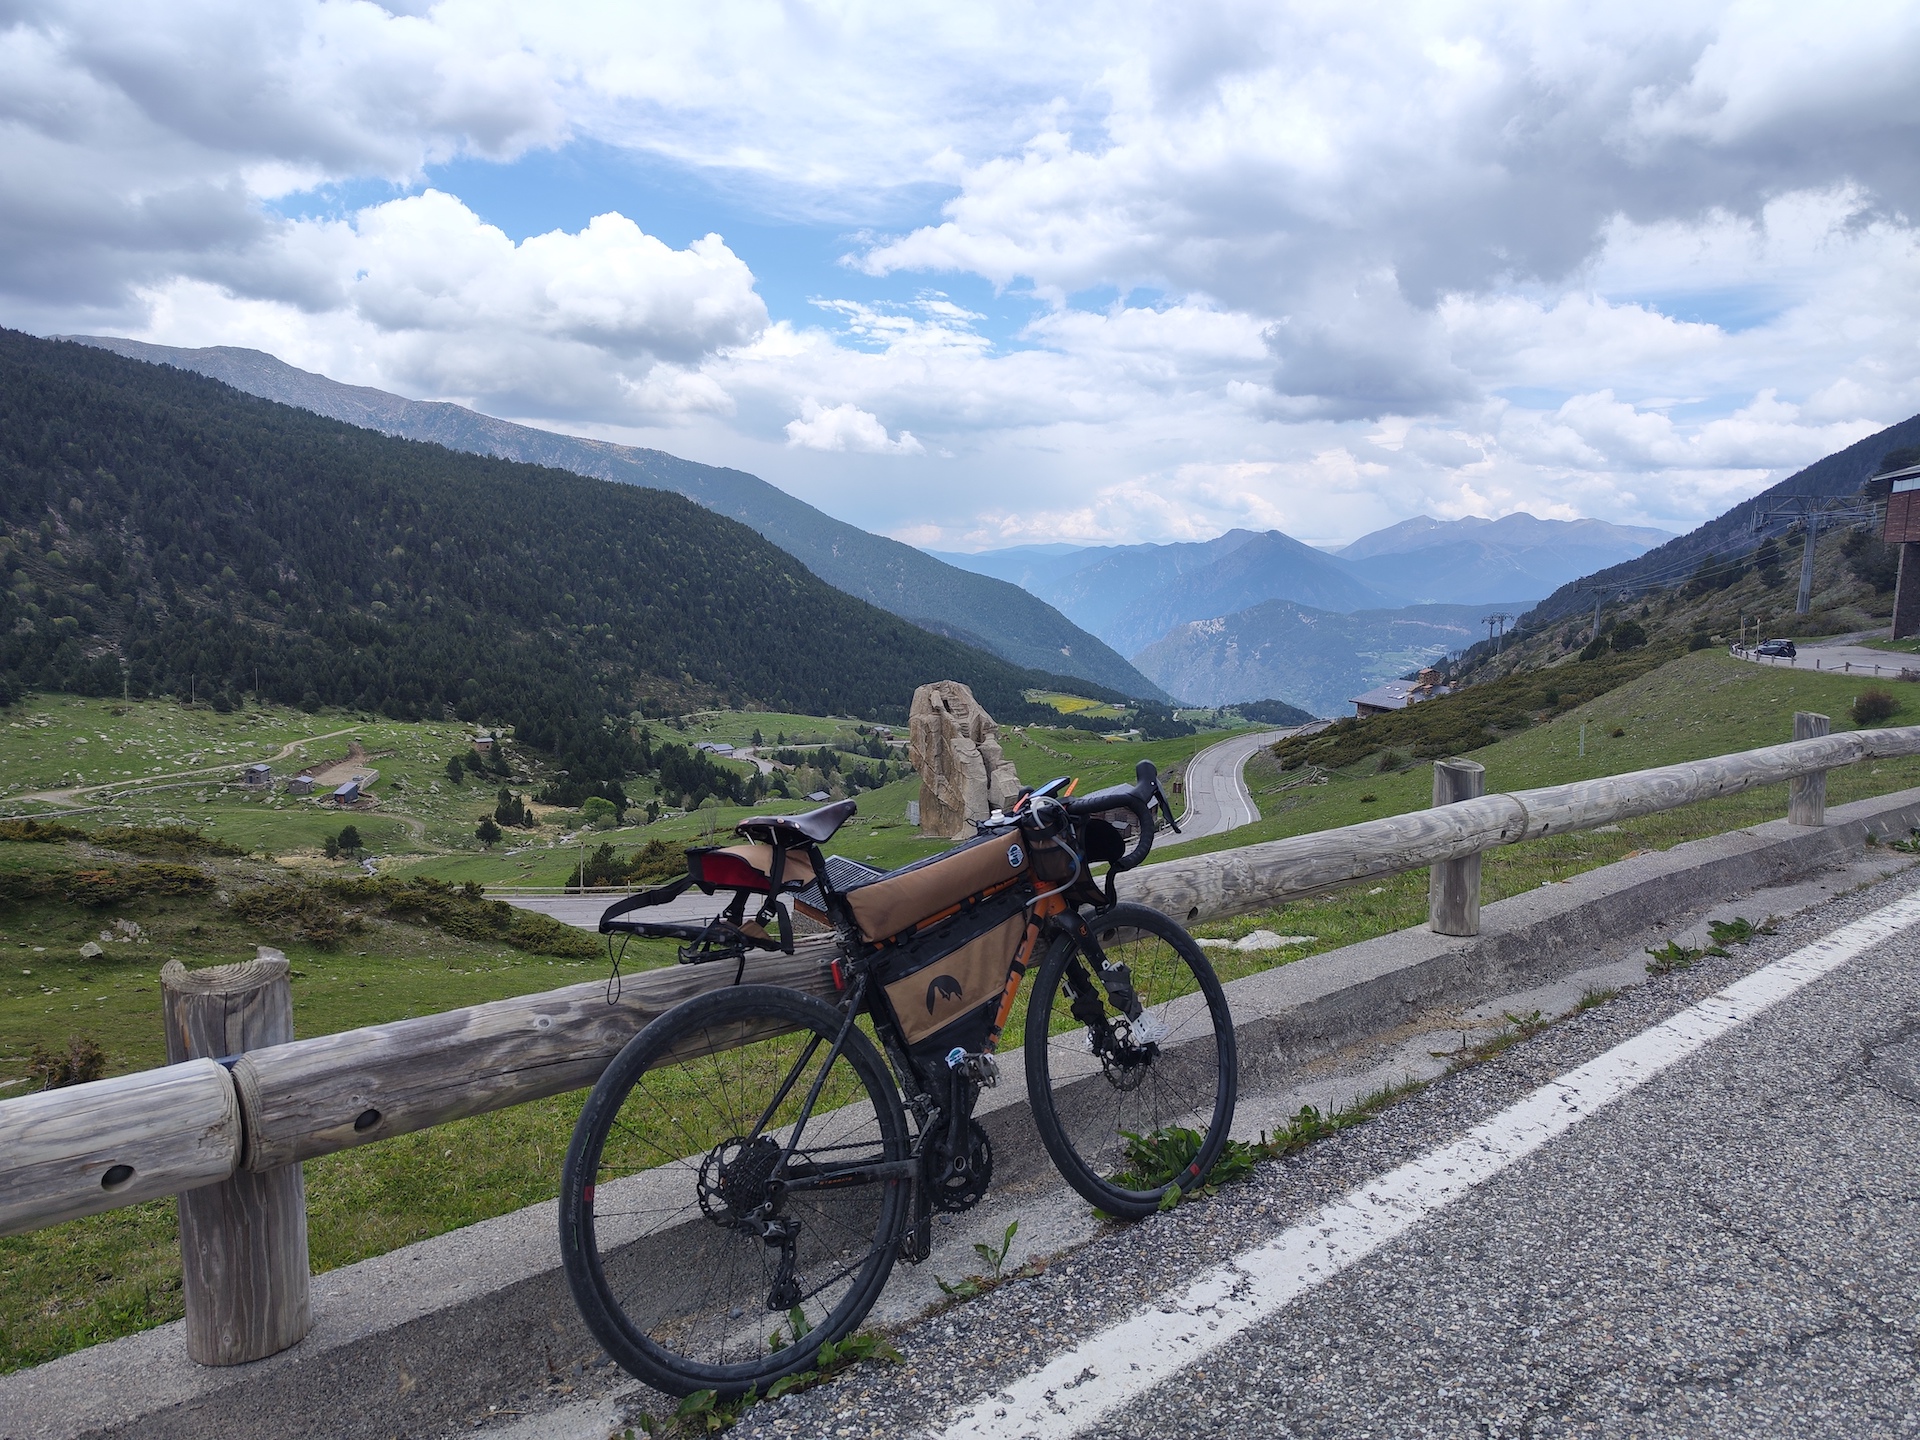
(955, 746)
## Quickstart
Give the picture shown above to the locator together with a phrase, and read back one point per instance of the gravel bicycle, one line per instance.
(790, 1150)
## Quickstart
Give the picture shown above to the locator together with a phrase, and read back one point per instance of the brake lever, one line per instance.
(1166, 809)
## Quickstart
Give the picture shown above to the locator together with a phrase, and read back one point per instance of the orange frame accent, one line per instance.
(1016, 972)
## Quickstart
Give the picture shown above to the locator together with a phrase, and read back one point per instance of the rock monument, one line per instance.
(955, 746)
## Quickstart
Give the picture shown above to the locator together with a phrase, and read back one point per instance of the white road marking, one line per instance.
(1096, 1377)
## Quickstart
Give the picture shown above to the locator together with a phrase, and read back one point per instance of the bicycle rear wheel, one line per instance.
(1113, 1099)
(690, 1259)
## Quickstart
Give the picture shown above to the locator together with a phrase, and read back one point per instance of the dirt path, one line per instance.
(72, 796)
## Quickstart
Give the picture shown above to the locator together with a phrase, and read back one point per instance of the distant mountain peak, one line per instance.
(1423, 532)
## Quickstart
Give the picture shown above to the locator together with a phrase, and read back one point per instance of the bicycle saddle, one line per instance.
(815, 825)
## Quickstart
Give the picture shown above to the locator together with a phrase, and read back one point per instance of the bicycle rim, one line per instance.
(1116, 1125)
(672, 1269)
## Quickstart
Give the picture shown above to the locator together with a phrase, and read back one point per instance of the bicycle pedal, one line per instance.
(978, 1066)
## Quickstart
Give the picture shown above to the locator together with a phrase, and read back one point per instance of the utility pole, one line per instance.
(1804, 603)
(1809, 509)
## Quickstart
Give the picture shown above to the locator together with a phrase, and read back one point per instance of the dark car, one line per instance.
(1783, 648)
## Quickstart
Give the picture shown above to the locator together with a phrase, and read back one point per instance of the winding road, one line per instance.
(1216, 787)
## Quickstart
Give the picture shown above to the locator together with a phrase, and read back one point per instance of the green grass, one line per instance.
(1699, 705)
(93, 1279)
(1075, 704)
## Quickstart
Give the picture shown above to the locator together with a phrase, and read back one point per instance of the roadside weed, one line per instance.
(1739, 930)
(1671, 958)
(972, 1287)
(704, 1413)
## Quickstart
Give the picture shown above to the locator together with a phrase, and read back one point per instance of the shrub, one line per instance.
(42, 831)
(83, 1060)
(1871, 707)
(116, 883)
(597, 810)
(486, 832)
(162, 840)
(296, 912)
(1628, 635)
(1700, 640)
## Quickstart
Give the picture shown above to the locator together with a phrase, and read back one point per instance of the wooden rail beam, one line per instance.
(313, 1097)
(1257, 877)
(87, 1148)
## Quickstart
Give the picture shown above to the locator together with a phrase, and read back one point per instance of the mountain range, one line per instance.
(164, 533)
(1313, 658)
(1002, 618)
(1407, 589)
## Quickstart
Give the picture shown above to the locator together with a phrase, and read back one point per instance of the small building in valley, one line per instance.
(347, 794)
(483, 742)
(257, 775)
(1398, 694)
(300, 785)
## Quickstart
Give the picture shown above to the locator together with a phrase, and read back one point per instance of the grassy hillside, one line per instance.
(1853, 579)
(168, 535)
(1696, 705)
(107, 1275)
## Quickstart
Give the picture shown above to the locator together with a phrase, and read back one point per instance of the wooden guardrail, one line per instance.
(265, 1106)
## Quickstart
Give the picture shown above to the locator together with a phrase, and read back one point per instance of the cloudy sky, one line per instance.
(981, 275)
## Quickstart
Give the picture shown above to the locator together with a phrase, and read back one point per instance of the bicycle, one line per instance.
(794, 1149)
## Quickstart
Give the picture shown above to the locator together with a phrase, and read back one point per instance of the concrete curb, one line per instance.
(413, 1342)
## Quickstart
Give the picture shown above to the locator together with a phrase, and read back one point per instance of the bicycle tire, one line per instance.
(690, 1311)
(1085, 1104)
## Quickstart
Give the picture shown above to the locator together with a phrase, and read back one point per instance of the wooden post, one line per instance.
(243, 1242)
(1807, 794)
(1453, 886)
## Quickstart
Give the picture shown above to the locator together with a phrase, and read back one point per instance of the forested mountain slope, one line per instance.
(1015, 625)
(166, 532)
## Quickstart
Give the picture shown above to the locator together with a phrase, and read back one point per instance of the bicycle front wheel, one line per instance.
(1131, 1108)
(706, 1248)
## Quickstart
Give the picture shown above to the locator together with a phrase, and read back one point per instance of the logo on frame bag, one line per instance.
(1015, 855)
(943, 987)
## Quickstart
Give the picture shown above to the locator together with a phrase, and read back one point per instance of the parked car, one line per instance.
(1782, 648)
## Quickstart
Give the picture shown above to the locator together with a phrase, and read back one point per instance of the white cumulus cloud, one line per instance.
(847, 427)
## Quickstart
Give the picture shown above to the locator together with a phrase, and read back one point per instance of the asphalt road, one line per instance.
(1216, 788)
(1693, 1210)
(1848, 659)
